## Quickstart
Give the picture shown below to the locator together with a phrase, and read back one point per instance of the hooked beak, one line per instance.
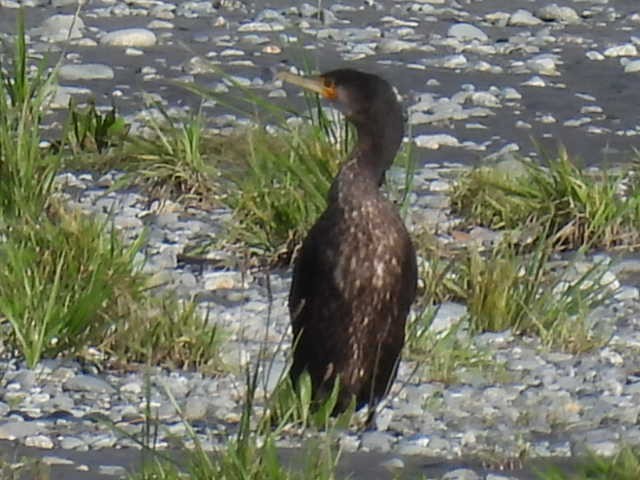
(314, 84)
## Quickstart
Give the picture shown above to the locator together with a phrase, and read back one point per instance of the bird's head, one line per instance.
(368, 102)
(362, 97)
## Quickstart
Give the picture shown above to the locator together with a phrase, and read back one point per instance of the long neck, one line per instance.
(363, 172)
(378, 141)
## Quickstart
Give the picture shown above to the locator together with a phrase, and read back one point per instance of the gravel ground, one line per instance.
(479, 80)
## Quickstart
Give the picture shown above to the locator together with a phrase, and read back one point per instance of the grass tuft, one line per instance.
(90, 131)
(509, 288)
(59, 283)
(164, 331)
(443, 356)
(574, 208)
(281, 190)
(174, 160)
(26, 172)
(625, 465)
(506, 290)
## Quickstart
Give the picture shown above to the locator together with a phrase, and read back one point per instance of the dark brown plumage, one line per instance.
(355, 277)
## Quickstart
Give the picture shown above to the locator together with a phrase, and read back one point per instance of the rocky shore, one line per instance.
(479, 80)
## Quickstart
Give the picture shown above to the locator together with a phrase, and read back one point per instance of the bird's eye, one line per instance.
(330, 91)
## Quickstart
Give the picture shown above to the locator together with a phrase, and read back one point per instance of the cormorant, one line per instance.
(355, 276)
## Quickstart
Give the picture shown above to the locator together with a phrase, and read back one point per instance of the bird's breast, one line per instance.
(369, 245)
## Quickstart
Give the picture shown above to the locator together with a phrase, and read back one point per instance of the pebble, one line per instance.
(433, 142)
(59, 28)
(195, 408)
(449, 315)
(632, 66)
(466, 31)
(39, 441)
(261, 27)
(375, 441)
(542, 65)
(393, 465)
(87, 71)
(392, 45)
(625, 50)
(88, 383)
(12, 430)
(523, 18)
(113, 470)
(129, 37)
(461, 474)
(553, 12)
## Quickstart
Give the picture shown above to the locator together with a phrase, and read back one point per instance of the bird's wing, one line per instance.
(304, 275)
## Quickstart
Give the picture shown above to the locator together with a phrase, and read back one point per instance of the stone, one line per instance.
(13, 430)
(595, 56)
(134, 387)
(434, 142)
(223, 280)
(543, 65)
(261, 27)
(87, 71)
(466, 31)
(523, 18)
(195, 408)
(88, 383)
(449, 314)
(129, 37)
(113, 471)
(374, 441)
(39, 441)
(393, 465)
(461, 474)
(484, 99)
(73, 443)
(392, 45)
(556, 13)
(454, 61)
(59, 28)
(535, 81)
(632, 66)
(625, 50)
(55, 460)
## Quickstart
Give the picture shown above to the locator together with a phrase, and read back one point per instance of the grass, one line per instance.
(509, 291)
(59, 283)
(164, 331)
(513, 288)
(26, 172)
(71, 283)
(625, 465)
(89, 131)
(174, 160)
(574, 208)
(67, 281)
(444, 356)
(252, 452)
(282, 190)
(23, 468)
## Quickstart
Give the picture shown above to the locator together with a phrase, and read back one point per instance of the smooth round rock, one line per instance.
(556, 13)
(59, 28)
(434, 142)
(86, 71)
(466, 31)
(523, 18)
(130, 37)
